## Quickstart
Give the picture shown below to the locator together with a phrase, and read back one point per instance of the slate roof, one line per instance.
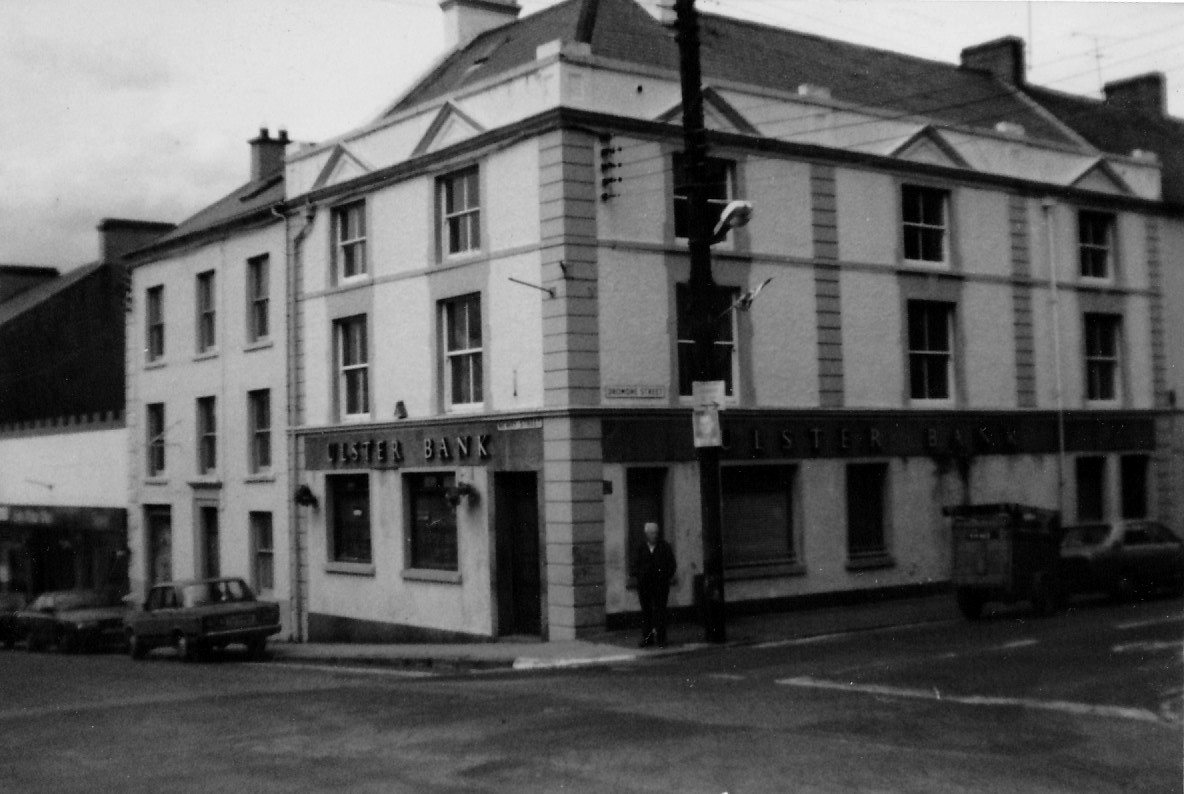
(1122, 130)
(242, 202)
(31, 297)
(746, 52)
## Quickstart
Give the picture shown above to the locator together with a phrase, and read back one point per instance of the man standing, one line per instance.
(653, 566)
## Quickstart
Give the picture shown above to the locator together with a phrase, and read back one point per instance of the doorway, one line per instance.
(519, 574)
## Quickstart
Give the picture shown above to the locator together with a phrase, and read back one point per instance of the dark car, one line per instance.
(72, 620)
(10, 604)
(1123, 558)
(198, 615)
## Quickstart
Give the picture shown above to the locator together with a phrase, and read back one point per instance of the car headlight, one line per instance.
(86, 624)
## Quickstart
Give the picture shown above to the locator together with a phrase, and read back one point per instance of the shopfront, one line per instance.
(829, 503)
(49, 547)
(423, 532)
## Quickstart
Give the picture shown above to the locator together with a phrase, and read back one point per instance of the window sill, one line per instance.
(429, 575)
(205, 482)
(462, 257)
(920, 402)
(1102, 404)
(351, 568)
(926, 264)
(260, 477)
(261, 344)
(156, 480)
(764, 571)
(206, 355)
(466, 408)
(158, 363)
(871, 562)
(355, 419)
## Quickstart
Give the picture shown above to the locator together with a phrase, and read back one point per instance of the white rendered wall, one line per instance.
(74, 469)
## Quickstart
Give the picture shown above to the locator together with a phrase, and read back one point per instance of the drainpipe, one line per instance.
(1047, 205)
(296, 524)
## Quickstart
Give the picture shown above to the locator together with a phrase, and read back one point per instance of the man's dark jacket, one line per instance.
(653, 569)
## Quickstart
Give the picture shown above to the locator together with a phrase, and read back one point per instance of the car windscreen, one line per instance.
(1085, 535)
(203, 593)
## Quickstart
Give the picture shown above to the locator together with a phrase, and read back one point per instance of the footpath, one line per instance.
(612, 647)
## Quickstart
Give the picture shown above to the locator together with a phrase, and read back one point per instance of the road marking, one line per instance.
(1007, 646)
(1084, 709)
(1147, 646)
(726, 676)
(1139, 624)
(338, 668)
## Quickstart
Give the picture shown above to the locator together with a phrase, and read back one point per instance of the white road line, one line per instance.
(1007, 646)
(1086, 709)
(338, 668)
(1139, 624)
(726, 676)
(1148, 646)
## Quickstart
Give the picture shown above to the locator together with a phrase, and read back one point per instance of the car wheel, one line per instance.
(971, 604)
(1123, 588)
(136, 647)
(257, 649)
(185, 649)
(66, 642)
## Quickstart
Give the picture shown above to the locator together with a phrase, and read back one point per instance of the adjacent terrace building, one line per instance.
(208, 474)
(490, 380)
(63, 442)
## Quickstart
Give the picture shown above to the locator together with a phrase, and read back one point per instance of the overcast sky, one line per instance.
(142, 108)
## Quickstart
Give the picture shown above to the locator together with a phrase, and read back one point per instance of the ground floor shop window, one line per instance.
(262, 553)
(1134, 486)
(159, 524)
(432, 538)
(757, 513)
(1091, 488)
(349, 496)
(866, 486)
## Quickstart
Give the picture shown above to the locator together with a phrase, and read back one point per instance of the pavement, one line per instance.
(612, 647)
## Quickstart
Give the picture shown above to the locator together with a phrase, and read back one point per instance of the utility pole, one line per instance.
(703, 311)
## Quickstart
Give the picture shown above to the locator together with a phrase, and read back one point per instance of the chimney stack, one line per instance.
(465, 20)
(119, 237)
(1003, 58)
(267, 154)
(1147, 92)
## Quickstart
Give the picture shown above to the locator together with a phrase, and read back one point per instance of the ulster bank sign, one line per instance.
(499, 445)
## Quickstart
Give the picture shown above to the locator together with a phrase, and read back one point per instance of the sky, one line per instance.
(143, 108)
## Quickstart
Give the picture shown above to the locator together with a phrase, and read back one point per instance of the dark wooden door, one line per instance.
(518, 559)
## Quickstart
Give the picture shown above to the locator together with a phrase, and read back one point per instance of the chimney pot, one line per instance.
(1146, 92)
(267, 154)
(1003, 58)
(465, 20)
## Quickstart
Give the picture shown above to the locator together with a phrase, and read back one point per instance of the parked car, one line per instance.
(10, 604)
(72, 620)
(199, 615)
(1123, 558)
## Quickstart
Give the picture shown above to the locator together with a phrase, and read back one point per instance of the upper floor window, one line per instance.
(154, 430)
(154, 323)
(460, 212)
(725, 362)
(259, 429)
(1101, 357)
(925, 223)
(349, 239)
(206, 311)
(258, 298)
(207, 435)
(1095, 237)
(931, 351)
(464, 367)
(717, 184)
(353, 382)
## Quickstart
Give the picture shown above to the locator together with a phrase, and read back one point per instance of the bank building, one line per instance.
(472, 384)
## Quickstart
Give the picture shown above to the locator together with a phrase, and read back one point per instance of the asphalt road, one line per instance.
(1088, 701)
